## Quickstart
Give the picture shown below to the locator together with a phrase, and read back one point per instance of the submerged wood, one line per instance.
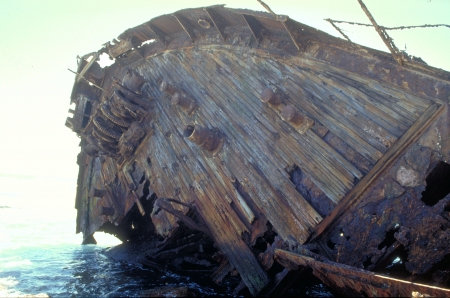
(354, 282)
(241, 126)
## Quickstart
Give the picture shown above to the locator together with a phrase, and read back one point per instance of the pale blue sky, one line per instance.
(41, 39)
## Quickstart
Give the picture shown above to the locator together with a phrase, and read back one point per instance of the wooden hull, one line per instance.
(231, 121)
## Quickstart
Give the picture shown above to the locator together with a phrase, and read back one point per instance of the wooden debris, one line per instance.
(352, 281)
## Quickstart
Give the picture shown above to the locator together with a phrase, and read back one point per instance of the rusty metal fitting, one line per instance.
(296, 119)
(204, 138)
(268, 96)
(187, 104)
(108, 211)
(97, 193)
(166, 87)
(133, 81)
(204, 23)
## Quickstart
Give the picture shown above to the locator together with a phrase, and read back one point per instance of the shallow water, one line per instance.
(41, 254)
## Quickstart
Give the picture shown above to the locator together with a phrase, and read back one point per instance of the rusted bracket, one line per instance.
(388, 41)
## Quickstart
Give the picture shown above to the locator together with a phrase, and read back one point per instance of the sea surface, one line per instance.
(40, 254)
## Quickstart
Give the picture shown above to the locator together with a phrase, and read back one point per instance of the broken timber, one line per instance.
(242, 125)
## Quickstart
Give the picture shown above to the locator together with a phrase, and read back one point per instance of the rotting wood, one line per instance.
(294, 126)
(353, 281)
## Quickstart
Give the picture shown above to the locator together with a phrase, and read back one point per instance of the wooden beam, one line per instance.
(344, 277)
(383, 163)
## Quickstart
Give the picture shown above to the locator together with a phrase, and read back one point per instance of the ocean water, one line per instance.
(40, 254)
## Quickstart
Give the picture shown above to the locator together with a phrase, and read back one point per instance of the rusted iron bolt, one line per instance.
(268, 96)
(97, 193)
(180, 100)
(133, 81)
(301, 122)
(108, 211)
(203, 137)
(166, 87)
(291, 115)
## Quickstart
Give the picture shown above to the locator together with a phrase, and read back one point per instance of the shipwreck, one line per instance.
(244, 140)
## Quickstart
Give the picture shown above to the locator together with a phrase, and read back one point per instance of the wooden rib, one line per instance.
(394, 152)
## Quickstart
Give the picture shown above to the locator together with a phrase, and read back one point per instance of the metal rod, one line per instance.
(390, 28)
(384, 36)
(86, 79)
(338, 29)
(267, 7)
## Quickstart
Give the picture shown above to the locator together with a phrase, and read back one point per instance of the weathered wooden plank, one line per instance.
(360, 281)
(166, 66)
(410, 136)
(311, 110)
(386, 102)
(237, 251)
(344, 162)
(265, 193)
(412, 100)
(217, 190)
(240, 255)
(231, 116)
(306, 87)
(281, 127)
(356, 114)
(352, 96)
(341, 74)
